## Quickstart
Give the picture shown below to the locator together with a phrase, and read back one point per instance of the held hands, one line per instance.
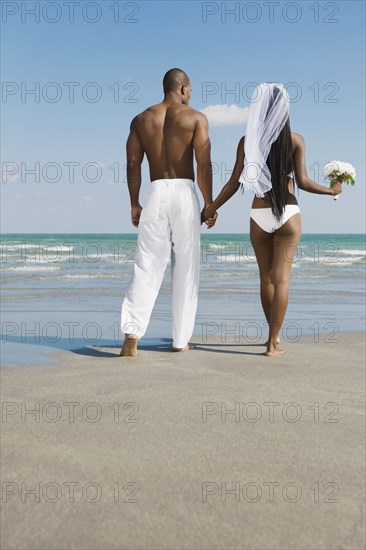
(135, 214)
(209, 216)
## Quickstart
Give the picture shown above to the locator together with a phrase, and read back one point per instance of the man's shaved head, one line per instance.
(174, 79)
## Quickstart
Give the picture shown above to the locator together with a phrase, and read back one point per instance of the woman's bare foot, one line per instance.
(129, 348)
(277, 341)
(273, 350)
(186, 348)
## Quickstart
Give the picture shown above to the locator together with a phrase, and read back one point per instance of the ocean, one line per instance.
(64, 291)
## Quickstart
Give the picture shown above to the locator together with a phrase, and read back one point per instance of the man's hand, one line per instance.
(209, 216)
(210, 222)
(135, 215)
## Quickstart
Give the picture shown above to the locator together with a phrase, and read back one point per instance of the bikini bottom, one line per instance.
(265, 218)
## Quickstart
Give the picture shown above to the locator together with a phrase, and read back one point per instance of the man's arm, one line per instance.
(302, 179)
(202, 150)
(135, 155)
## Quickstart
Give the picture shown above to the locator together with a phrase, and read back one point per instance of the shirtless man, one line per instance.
(169, 224)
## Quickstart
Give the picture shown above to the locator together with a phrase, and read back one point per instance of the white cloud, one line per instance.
(225, 115)
(88, 198)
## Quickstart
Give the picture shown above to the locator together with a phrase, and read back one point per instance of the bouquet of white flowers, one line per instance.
(339, 171)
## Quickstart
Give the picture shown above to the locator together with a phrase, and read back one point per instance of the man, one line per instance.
(169, 225)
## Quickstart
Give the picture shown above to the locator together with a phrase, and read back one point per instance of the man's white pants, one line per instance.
(169, 227)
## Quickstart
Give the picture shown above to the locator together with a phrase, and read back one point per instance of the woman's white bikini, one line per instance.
(265, 218)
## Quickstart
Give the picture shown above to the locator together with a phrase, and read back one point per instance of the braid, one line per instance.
(279, 158)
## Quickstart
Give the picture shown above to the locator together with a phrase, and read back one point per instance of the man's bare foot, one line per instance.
(273, 350)
(129, 348)
(186, 348)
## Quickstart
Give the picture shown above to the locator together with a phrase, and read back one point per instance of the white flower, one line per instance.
(349, 169)
(331, 167)
(340, 168)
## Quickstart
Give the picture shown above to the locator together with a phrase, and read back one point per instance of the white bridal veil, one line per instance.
(268, 113)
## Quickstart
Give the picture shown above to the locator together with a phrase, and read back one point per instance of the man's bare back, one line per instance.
(169, 133)
(166, 134)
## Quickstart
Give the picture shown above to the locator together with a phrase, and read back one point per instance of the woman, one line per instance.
(266, 160)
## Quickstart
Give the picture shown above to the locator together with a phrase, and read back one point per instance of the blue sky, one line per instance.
(316, 48)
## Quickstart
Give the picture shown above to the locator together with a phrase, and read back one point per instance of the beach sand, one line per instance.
(158, 461)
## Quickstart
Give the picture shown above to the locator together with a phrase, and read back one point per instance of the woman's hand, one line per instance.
(336, 188)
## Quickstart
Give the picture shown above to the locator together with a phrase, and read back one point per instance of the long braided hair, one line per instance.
(278, 161)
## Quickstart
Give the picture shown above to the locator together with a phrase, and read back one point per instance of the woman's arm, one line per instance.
(302, 178)
(231, 187)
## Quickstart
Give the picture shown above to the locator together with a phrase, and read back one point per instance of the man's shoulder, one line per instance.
(136, 121)
(181, 114)
(141, 117)
(188, 117)
(197, 114)
(195, 117)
